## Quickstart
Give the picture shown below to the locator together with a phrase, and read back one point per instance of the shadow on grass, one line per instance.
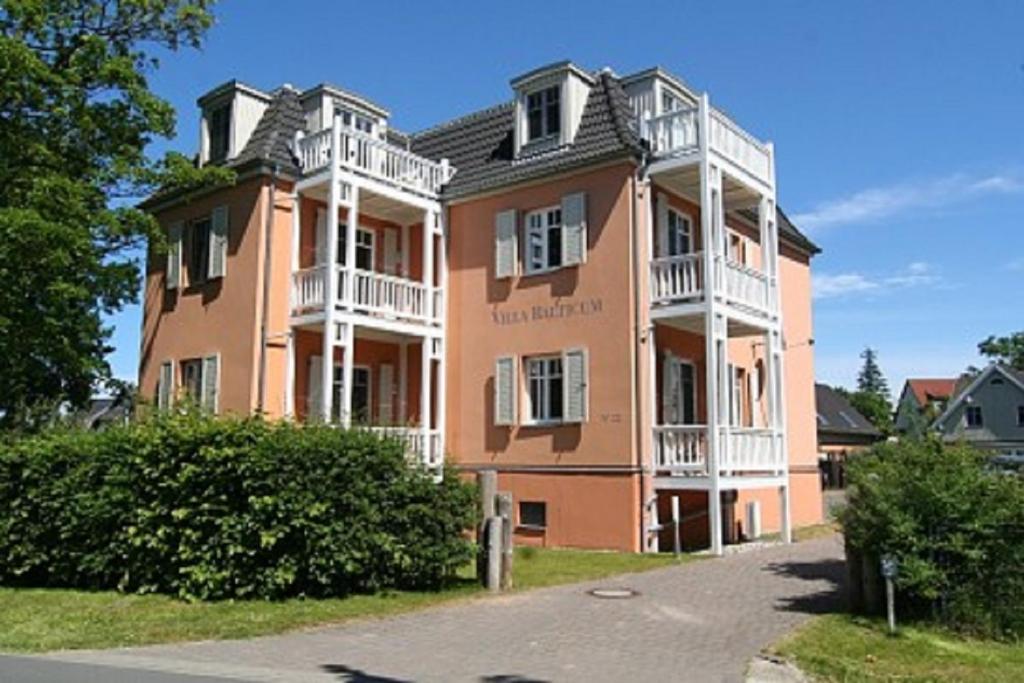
(830, 574)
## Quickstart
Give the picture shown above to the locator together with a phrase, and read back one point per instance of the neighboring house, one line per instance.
(842, 432)
(988, 413)
(920, 403)
(104, 412)
(587, 288)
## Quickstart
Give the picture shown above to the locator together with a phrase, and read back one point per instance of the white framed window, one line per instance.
(366, 245)
(362, 395)
(350, 119)
(669, 102)
(543, 113)
(736, 248)
(545, 387)
(679, 404)
(679, 235)
(200, 381)
(544, 240)
(973, 417)
(192, 378)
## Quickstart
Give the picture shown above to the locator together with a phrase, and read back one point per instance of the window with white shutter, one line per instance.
(505, 391)
(175, 234)
(505, 244)
(314, 389)
(165, 385)
(321, 237)
(574, 229)
(218, 242)
(210, 396)
(574, 362)
(385, 406)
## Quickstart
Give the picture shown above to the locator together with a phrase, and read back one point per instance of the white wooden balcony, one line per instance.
(425, 446)
(681, 451)
(677, 133)
(374, 158)
(370, 293)
(680, 280)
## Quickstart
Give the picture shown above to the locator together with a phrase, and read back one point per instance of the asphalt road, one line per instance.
(41, 670)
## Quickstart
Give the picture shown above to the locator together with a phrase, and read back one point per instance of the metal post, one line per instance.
(504, 505)
(676, 540)
(494, 531)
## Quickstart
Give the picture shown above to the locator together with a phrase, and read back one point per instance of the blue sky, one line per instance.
(898, 127)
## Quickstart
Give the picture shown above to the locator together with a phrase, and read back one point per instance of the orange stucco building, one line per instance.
(588, 288)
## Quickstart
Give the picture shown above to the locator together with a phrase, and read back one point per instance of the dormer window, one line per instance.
(220, 132)
(544, 113)
(357, 121)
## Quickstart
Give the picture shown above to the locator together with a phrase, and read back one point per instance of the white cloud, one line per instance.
(877, 203)
(916, 274)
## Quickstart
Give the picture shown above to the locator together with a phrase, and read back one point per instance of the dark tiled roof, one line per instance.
(271, 140)
(837, 416)
(481, 145)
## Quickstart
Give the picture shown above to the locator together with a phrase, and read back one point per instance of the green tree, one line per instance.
(870, 378)
(76, 114)
(1008, 350)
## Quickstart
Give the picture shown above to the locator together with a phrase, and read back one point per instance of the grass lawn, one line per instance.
(849, 649)
(807, 533)
(36, 620)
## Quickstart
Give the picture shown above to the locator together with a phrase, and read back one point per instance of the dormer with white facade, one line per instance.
(549, 104)
(321, 103)
(229, 115)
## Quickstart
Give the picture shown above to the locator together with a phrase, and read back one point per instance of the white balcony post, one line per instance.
(289, 376)
(351, 228)
(403, 383)
(442, 319)
(330, 293)
(425, 390)
(348, 363)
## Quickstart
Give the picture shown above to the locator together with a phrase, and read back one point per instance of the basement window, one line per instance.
(533, 515)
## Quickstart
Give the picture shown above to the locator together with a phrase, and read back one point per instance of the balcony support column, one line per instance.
(426, 390)
(351, 229)
(330, 280)
(403, 383)
(716, 331)
(348, 363)
(442, 315)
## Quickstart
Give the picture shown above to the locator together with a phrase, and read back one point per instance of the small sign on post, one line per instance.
(890, 570)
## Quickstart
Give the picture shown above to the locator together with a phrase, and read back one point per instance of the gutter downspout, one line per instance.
(638, 339)
(261, 392)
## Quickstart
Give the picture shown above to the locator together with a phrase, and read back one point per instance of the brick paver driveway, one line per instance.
(697, 622)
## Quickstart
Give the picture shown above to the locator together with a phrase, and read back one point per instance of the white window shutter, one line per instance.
(670, 408)
(314, 389)
(218, 242)
(385, 409)
(505, 244)
(321, 237)
(574, 228)
(174, 238)
(574, 363)
(211, 383)
(165, 390)
(505, 392)
(392, 258)
(662, 225)
(755, 414)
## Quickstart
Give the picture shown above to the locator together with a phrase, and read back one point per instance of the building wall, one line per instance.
(998, 397)
(219, 315)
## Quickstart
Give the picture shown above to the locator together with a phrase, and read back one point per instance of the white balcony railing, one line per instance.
(308, 290)
(739, 146)
(424, 446)
(673, 133)
(376, 293)
(746, 286)
(678, 132)
(681, 449)
(375, 158)
(676, 278)
(750, 449)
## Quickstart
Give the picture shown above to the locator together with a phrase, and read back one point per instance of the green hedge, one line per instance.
(208, 508)
(956, 526)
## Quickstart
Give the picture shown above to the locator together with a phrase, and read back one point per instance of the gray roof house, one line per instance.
(839, 423)
(988, 413)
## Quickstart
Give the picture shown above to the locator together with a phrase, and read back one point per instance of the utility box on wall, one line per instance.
(753, 519)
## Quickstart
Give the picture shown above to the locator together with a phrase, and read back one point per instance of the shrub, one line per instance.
(212, 508)
(955, 525)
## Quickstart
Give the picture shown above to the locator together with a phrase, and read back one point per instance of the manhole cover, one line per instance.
(614, 593)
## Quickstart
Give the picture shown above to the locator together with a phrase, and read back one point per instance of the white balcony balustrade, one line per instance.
(374, 293)
(746, 287)
(680, 449)
(374, 158)
(676, 278)
(673, 133)
(423, 445)
(751, 449)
